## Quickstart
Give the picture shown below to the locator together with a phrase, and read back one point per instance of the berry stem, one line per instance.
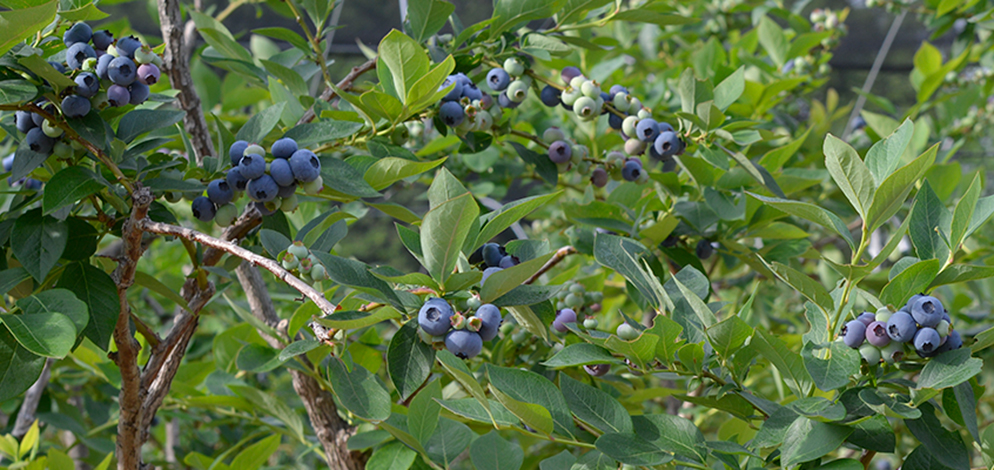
(531, 137)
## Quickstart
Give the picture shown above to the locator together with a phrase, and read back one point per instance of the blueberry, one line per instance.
(881, 464)
(139, 93)
(627, 332)
(103, 66)
(491, 317)
(24, 121)
(901, 327)
(704, 249)
(665, 127)
(87, 84)
(927, 311)
(148, 74)
(203, 209)
(280, 170)
(252, 166)
(492, 255)
(57, 66)
(647, 130)
(564, 316)
(870, 353)
(615, 89)
(284, 148)
(126, 47)
(80, 32)
(434, 316)
(597, 370)
(305, 165)
(75, 106)
(560, 152)
(666, 144)
(631, 171)
(236, 180)
(451, 113)
(38, 142)
(634, 147)
(287, 191)
(585, 107)
(893, 352)
(569, 73)
(77, 53)
(118, 95)
(464, 344)
(550, 96)
(507, 103)
(615, 121)
(102, 39)
(122, 71)
(262, 189)
(927, 341)
(456, 91)
(867, 318)
(236, 151)
(8, 163)
(472, 92)
(853, 333)
(263, 210)
(876, 333)
(220, 192)
(489, 272)
(953, 341)
(599, 177)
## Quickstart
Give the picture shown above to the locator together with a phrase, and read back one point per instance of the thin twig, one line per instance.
(872, 76)
(560, 255)
(344, 85)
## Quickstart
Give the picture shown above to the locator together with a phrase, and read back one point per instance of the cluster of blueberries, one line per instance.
(271, 185)
(29, 183)
(106, 72)
(574, 296)
(492, 257)
(462, 335)
(300, 261)
(466, 108)
(567, 315)
(922, 323)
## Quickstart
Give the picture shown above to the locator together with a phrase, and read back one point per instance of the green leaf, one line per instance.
(322, 132)
(508, 13)
(97, 290)
(930, 225)
(506, 280)
(534, 416)
(807, 440)
(20, 24)
(804, 284)
(644, 15)
(274, 242)
(772, 38)
(512, 212)
(49, 334)
(579, 354)
(595, 406)
(701, 309)
(405, 61)
(945, 446)
(38, 242)
(422, 415)
(789, 363)
(915, 278)
(451, 439)
(849, 173)
(573, 11)
(458, 370)
(69, 186)
(284, 34)
(256, 358)
(425, 91)
(882, 159)
(443, 232)
(728, 335)
(543, 166)
(807, 211)
(922, 459)
(875, 433)
(360, 392)
(57, 300)
(409, 360)
(260, 125)
(529, 387)
(218, 37)
(673, 434)
(386, 171)
(427, 17)
(631, 449)
(832, 366)
(622, 254)
(354, 319)
(342, 177)
(10, 278)
(383, 105)
(255, 455)
(16, 91)
(492, 452)
(90, 12)
(471, 409)
(19, 368)
(730, 89)
(393, 456)
(140, 121)
(297, 348)
(963, 214)
(949, 369)
(893, 191)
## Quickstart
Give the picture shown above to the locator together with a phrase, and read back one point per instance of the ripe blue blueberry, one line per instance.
(507, 262)
(305, 165)
(667, 144)
(901, 327)
(149, 74)
(102, 39)
(867, 318)
(631, 171)
(876, 333)
(87, 84)
(75, 106)
(122, 71)
(647, 130)
(854, 333)
(287, 191)
(236, 180)
(491, 317)
(139, 93)
(489, 272)
(464, 344)
(550, 96)
(615, 89)
(103, 66)
(456, 92)
(220, 192)
(252, 166)
(953, 341)
(38, 142)
(284, 148)
(79, 32)
(280, 170)
(77, 53)
(24, 121)
(203, 209)
(472, 92)
(597, 370)
(492, 254)
(564, 316)
(569, 73)
(8, 163)
(560, 152)
(236, 151)
(927, 341)
(434, 316)
(927, 311)
(599, 177)
(127, 46)
(57, 66)
(704, 249)
(615, 121)
(451, 113)
(262, 189)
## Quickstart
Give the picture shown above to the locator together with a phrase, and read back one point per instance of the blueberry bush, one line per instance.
(622, 234)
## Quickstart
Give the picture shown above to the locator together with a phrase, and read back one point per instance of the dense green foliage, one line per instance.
(710, 291)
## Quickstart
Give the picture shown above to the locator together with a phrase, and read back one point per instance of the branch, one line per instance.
(561, 254)
(176, 64)
(250, 219)
(271, 265)
(26, 415)
(328, 94)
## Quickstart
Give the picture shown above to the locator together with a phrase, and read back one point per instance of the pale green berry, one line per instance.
(590, 323)
(627, 332)
(643, 177)
(635, 106)
(615, 159)
(289, 204)
(570, 95)
(90, 64)
(289, 262)
(585, 108)
(318, 272)
(514, 67)
(51, 130)
(943, 328)
(314, 187)
(628, 125)
(893, 352)
(871, 354)
(473, 302)
(574, 301)
(225, 214)
(305, 266)
(553, 134)
(298, 249)
(562, 167)
(255, 149)
(112, 50)
(99, 101)
(621, 101)
(144, 55)
(577, 82)
(644, 114)
(883, 314)
(484, 120)
(517, 91)
(62, 149)
(590, 89)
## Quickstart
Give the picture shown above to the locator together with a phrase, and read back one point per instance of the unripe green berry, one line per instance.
(577, 82)
(590, 89)
(144, 55)
(584, 107)
(90, 64)
(255, 149)
(517, 91)
(635, 106)
(943, 328)
(644, 114)
(570, 95)
(574, 301)
(621, 101)
(318, 272)
(62, 149)
(400, 135)
(553, 134)
(51, 130)
(225, 214)
(590, 323)
(514, 67)
(289, 261)
(628, 125)
(473, 302)
(627, 332)
(871, 354)
(314, 187)
(290, 203)
(298, 249)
